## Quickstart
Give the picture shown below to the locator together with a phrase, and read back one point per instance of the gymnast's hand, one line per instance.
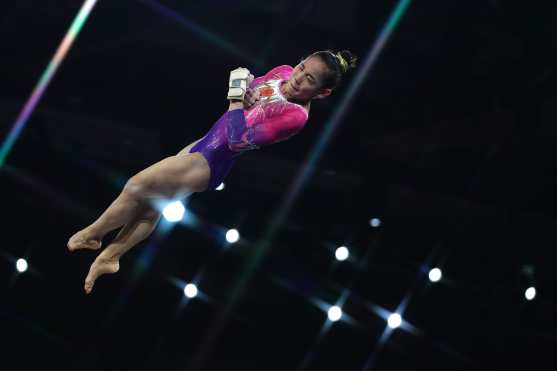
(251, 97)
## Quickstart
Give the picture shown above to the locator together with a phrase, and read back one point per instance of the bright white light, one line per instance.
(21, 265)
(334, 313)
(220, 187)
(435, 275)
(232, 235)
(375, 222)
(174, 211)
(394, 320)
(530, 293)
(341, 253)
(190, 290)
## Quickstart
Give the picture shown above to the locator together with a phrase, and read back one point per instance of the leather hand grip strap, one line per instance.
(238, 84)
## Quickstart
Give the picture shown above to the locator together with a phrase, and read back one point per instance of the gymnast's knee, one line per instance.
(136, 187)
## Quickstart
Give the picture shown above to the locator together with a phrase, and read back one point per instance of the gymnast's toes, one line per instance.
(81, 240)
(100, 266)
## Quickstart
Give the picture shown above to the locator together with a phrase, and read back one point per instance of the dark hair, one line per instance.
(338, 64)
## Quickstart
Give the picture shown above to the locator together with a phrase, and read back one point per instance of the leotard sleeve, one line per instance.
(268, 131)
(280, 71)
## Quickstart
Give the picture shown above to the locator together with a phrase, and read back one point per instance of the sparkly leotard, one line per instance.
(272, 119)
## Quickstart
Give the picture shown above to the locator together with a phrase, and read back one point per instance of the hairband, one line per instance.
(342, 62)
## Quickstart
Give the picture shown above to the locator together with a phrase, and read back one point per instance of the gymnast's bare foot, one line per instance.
(84, 240)
(102, 265)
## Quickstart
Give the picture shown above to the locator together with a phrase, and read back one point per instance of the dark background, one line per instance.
(450, 141)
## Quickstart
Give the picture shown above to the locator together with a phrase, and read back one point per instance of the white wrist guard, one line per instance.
(238, 83)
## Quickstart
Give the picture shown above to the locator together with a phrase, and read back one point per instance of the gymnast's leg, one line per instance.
(116, 215)
(175, 176)
(130, 235)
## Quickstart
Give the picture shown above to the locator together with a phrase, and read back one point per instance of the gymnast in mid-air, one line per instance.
(262, 111)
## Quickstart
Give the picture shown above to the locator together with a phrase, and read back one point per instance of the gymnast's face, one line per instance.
(306, 80)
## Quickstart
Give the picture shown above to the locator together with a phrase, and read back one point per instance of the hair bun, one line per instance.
(346, 60)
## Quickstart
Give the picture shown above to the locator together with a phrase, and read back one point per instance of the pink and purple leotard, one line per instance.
(272, 119)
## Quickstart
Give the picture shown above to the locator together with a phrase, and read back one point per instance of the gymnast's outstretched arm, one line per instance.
(274, 129)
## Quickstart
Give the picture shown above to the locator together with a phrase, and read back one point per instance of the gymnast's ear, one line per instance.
(323, 93)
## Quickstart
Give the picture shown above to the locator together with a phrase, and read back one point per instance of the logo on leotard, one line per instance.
(269, 91)
(271, 103)
(266, 91)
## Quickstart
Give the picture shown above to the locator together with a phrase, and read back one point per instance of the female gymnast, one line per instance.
(262, 111)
